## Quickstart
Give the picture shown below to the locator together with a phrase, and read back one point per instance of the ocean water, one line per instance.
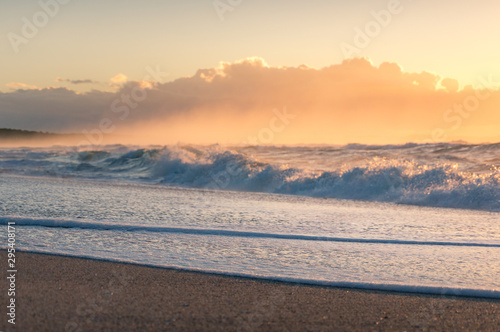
(417, 218)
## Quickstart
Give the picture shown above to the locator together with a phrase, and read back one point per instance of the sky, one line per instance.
(218, 71)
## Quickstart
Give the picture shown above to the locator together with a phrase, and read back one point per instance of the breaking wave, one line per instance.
(438, 175)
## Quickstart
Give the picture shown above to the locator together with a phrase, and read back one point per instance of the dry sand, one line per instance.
(68, 294)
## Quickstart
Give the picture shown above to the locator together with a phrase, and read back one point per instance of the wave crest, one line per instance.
(386, 174)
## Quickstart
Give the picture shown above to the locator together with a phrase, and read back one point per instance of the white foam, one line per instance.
(62, 223)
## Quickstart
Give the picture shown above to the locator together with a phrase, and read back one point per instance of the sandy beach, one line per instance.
(57, 293)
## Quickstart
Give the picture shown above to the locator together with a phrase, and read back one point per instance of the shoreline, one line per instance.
(442, 292)
(56, 292)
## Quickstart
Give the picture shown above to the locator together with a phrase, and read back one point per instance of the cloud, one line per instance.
(86, 81)
(450, 84)
(119, 79)
(52, 109)
(354, 101)
(18, 85)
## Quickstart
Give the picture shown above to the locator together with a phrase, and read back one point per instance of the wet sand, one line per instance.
(55, 293)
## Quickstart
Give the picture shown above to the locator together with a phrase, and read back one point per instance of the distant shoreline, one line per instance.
(16, 137)
(19, 137)
(7, 133)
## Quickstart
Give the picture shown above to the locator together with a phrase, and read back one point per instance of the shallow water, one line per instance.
(285, 237)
